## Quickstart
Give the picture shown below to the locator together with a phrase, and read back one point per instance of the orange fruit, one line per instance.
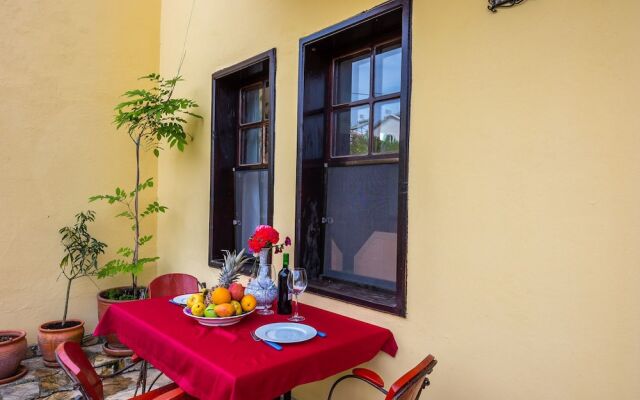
(224, 310)
(221, 296)
(248, 303)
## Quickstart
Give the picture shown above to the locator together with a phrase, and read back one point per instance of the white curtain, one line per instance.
(251, 204)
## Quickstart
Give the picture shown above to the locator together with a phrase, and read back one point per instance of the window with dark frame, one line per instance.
(252, 161)
(242, 153)
(352, 158)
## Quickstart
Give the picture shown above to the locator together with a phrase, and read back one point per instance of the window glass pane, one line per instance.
(250, 204)
(353, 79)
(362, 224)
(251, 146)
(251, 105)
(386, 126)
(388, 63)
(267, 105)
(351, 136)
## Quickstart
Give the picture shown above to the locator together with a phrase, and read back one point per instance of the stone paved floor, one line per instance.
(51, 383)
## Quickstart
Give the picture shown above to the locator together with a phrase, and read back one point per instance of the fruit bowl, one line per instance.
(217, 321)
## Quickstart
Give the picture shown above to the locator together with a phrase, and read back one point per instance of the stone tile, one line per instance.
(69, 395)
(55, 382)
(119, 384)
(21, 391)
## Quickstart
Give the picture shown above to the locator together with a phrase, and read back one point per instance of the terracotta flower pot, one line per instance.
(12, 352)
(113, 347)
(51, 334)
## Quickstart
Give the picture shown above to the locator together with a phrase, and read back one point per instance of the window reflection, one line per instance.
(353, 79)
(251, 105)
(251, 146)
(386, 126)
(267, 103)
(388, 63)
(352, 131)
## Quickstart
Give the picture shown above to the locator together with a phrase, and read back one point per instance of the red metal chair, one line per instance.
(162, 286)
(173, 285)
(408, 387)
(78, 367)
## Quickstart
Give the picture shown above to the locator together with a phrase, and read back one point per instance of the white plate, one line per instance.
(218, 321)
(182, 299)
(286, 332)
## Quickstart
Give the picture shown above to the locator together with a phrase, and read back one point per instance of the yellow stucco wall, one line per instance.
(63, 67)
(523, 198)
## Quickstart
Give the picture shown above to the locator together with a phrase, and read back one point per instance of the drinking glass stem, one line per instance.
(295, 308)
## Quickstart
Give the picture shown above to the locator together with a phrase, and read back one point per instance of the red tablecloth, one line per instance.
(226, 363)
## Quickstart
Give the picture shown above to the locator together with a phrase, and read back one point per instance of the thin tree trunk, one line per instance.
(137, 219)
(66, 303)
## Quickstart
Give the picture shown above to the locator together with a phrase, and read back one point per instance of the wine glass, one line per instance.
(297, 283)
(265, 288)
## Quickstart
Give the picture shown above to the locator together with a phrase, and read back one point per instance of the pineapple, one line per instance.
(231, 269)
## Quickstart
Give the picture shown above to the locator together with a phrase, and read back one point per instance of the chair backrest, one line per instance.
(78, 367)
(173, 285)
(410, 385)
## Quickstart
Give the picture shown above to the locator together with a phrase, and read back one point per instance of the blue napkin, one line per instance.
(272, 344)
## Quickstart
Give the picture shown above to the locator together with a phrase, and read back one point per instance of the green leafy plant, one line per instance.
(152, 118)
(81, 253)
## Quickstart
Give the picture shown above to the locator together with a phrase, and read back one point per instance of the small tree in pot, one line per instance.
(80, 260)
(153, 119)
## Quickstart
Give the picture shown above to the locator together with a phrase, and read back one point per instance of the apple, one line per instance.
(209, 311)
(237, 291)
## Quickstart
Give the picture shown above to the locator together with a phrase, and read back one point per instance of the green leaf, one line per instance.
(145, 239)
(125, 214)
(115, 267)
(125, 251)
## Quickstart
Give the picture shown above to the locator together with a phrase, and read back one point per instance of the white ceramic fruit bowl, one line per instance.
(219, 321)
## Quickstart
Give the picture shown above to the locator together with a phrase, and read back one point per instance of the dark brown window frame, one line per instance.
(403, 154)
(370, 101)
(263, 124)
(270, 57)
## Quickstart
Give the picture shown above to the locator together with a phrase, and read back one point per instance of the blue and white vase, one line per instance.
(262, 286)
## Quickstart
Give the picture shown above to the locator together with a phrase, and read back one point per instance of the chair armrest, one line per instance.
(167, 392)
(369, 376)
(174, 394)
(364, 375)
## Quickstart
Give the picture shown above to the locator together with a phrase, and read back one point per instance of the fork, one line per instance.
(257, 339)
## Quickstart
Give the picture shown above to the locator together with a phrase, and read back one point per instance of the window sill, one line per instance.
(376, 299)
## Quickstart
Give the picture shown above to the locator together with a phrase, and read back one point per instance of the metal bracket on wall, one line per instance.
(494, 4)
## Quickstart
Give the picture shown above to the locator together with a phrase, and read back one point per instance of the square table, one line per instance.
(226, 363)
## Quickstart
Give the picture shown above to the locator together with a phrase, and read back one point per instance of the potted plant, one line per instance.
(13, 349)
(81, 252)
(152, 118)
